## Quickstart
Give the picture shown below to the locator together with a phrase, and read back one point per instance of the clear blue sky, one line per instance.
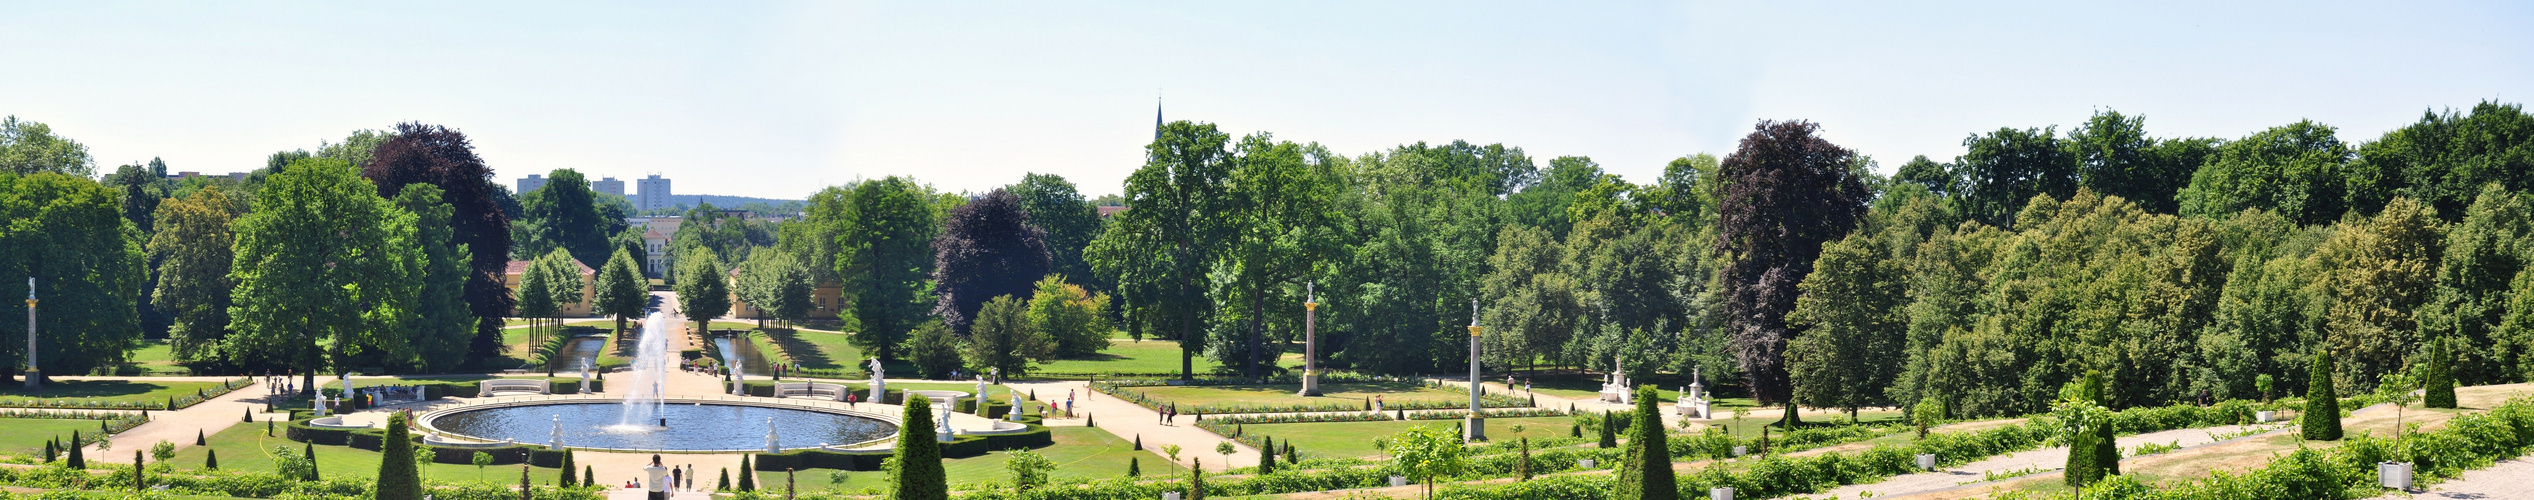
(775, 99)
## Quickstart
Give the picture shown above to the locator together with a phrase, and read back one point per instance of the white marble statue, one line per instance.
(879, 381)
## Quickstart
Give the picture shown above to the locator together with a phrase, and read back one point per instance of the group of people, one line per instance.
(386, 394)
(663, 480)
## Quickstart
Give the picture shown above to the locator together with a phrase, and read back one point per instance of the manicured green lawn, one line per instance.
(1355, 439)
(244, 447)
(1127, 356)
(119, 391)
(26, 436)
(156, 357)
(1283, 394)
(813, 350)
(1080, 452)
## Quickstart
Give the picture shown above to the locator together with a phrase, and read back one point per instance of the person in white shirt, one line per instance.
(657, 485)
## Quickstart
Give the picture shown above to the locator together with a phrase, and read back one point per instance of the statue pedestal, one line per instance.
(1616, 394)
(1474, 428)
(1698, 409)
(1310, 384)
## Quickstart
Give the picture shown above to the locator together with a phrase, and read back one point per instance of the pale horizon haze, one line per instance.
(776, 99)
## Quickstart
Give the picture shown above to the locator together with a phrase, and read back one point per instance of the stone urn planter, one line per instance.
(1926, 461)
(1397, 481)
(1741, 450)
(2263, 416)
(1169, 495)
(2396, 475)
(1585, 463)
(1720, 493)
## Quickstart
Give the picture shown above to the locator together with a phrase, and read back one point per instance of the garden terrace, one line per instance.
(1280, 398)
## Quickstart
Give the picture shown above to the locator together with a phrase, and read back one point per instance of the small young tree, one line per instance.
(1196, 479)
(2396, 388)
(480, 460)
(2322, 405)
(1226, 450)
(1029, 469)
(1427, 453)
(1926, 414)
(1172, 451)
(2439, 383)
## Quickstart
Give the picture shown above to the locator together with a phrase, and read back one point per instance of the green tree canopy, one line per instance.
(325, 271)
(69, 234)
(28, 148)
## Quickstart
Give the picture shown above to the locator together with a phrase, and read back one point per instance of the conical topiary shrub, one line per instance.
(2438, 385)
(2322, 405)
(398, 476)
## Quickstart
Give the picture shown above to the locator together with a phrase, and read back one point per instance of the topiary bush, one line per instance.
(2322, 406)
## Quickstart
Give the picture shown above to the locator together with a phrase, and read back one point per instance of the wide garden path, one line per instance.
(180, 426)
(1128, 421)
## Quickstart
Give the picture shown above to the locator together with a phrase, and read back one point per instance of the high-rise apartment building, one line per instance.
(532, 182)
(609, 185)
(654, 195)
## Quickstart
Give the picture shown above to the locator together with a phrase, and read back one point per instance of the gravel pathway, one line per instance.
(2041, 460)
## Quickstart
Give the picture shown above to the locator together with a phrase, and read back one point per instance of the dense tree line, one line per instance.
(2175, 268)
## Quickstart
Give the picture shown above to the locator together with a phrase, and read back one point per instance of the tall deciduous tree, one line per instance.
(703, 288)
(987, 249)
(2445, 158)
(324, 271)
(1536, 308)
(2469, 302)
(28, 148)
(775, 284)
(70, 235)
(1281, 231)
(622, 291)
(1162, 248)
(2002, 170)
(193, 248)
(886, 257)
(1787, 192)
(441, 156)
(1853, 329)
(440, 325)
(1003, 337)
(1069, 221)
(2295, 169)
(565, 214)
(2376, 273)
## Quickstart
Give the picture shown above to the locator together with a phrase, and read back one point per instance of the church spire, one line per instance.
(1157, 118)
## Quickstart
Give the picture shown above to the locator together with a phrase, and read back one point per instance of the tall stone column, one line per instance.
(1475, 427)
(34, 376)
(1310, 341)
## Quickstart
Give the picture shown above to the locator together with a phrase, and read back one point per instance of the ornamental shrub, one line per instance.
(1267, 456)
(747, 474)
(78, 460)
(2322, 405)
(919, 474)
(2439, 382)
(398, 479)
(211, 459)
(1609, 431)
(566, 479)
(1647, 472)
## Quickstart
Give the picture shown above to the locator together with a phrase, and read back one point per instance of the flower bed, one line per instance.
(176, 402)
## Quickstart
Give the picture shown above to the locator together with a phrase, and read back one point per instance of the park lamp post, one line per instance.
(34, 376)
(1475, 428)
(1310, 341)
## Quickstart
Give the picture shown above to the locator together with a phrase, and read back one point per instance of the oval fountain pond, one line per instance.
(691, 427)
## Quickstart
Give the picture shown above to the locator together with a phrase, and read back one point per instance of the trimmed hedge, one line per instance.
(966, 446)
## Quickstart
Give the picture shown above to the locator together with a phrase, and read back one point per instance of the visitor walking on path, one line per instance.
(657, 476)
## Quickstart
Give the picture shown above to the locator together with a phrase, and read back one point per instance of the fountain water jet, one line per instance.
(647, 378)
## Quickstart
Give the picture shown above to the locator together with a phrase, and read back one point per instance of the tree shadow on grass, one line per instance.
(801, 351)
